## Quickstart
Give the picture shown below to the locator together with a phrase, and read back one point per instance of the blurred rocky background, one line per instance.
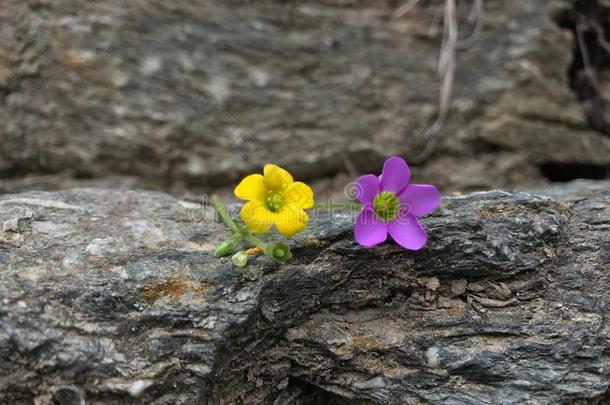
(187, 96)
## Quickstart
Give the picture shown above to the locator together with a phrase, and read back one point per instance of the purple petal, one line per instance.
(408, 233)
(420, 199)
(369, 230)
(367, 187)
(395, 175)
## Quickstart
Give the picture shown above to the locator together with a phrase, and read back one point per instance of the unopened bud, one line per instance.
(278, 251)
(228, 247)
(240, 259)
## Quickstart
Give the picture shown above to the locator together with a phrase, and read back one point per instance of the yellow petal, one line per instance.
(276, 178)
(299, 194)
(257, 217)
(290, 220)
(251, 188)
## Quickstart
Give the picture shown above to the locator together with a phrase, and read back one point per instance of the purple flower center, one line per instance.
(386, 205)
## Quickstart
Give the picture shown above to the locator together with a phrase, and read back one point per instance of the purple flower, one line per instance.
(392, 205)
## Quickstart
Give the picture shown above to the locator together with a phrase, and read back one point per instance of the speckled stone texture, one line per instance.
(114, 297)
(193, 94)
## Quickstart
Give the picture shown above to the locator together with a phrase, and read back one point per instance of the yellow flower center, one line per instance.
(273, 201)
(386, 205)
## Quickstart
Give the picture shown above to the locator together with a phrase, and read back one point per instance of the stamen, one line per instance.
(273, 201)
(386, 205)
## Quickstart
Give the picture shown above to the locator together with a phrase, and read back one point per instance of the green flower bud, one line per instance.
(278, 251)
(228, 247)
(240, 259)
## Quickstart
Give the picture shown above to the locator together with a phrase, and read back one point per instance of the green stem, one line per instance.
(339, 206)
(224, 215)
(249, 236)
(253, 239)
(235, 227)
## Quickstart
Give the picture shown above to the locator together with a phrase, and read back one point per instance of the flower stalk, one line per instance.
(224, 214)
(274, 250)
(339, 206)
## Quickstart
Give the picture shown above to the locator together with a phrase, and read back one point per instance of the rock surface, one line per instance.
(194, 94)
(590, 73)
(113, 297)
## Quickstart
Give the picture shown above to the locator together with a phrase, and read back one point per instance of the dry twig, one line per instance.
(447, 63)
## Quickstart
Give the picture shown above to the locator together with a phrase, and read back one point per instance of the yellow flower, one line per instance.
(274, 199)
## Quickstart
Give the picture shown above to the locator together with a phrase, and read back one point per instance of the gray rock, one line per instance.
(114, 297)
(195, 94)
(590, 72)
